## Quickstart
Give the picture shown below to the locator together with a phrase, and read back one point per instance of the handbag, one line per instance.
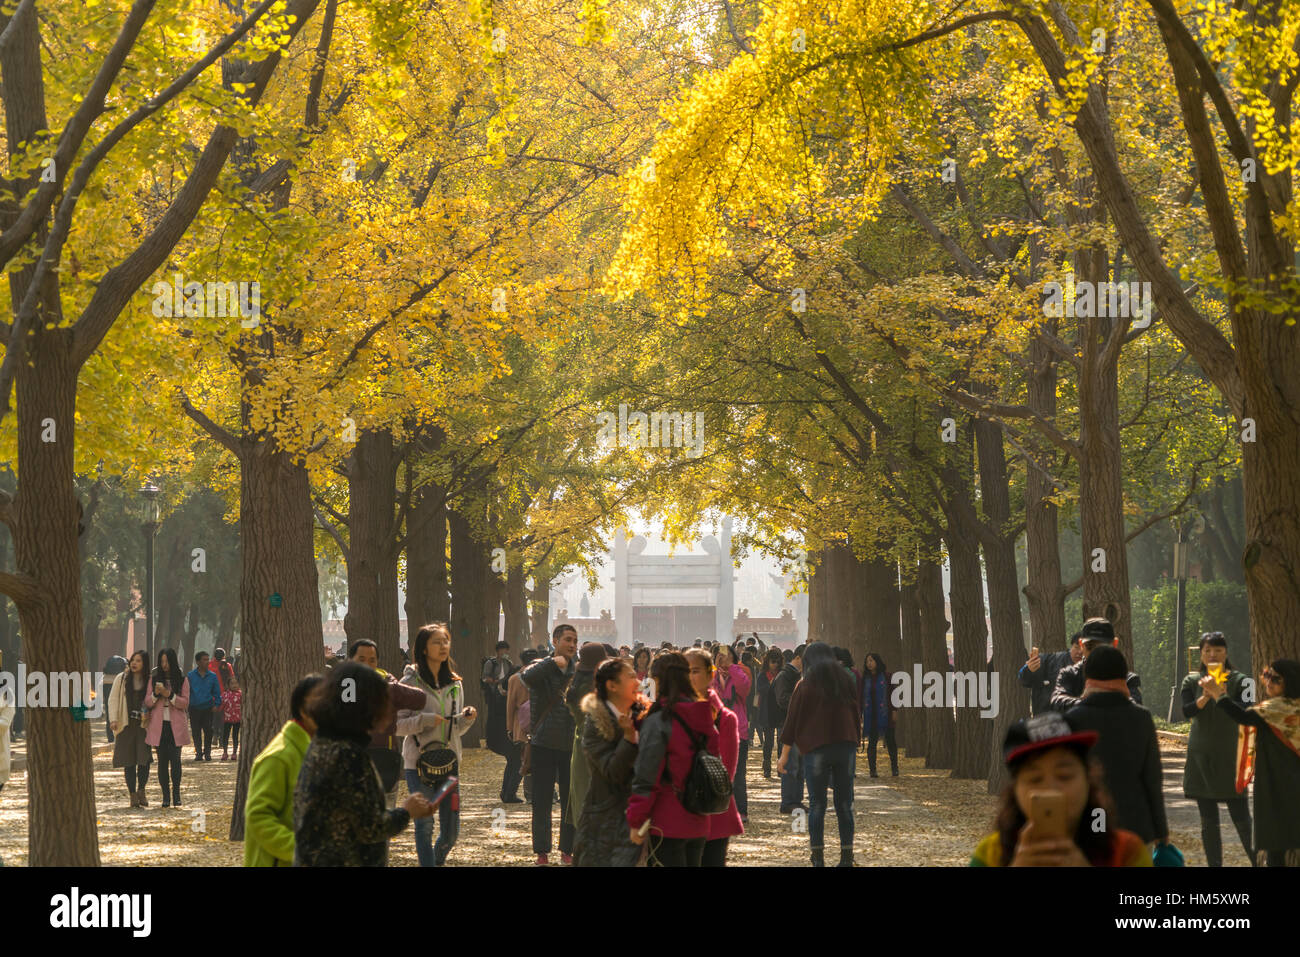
(437, 761)
(707, 788)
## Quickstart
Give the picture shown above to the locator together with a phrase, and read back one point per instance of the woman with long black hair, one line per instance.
(1275, 722)
(822, 721)
(167, 702)
(768, 721)
(878, 716)
(436, 729)
(126, 716)
(1210, 774)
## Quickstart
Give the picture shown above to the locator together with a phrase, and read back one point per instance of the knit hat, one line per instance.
(1105, 664)
(590, 655)
(1041, 732)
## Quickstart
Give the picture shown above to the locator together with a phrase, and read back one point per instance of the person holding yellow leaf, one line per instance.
(1210, 775)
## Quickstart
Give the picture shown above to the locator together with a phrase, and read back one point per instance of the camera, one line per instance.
(636, 709)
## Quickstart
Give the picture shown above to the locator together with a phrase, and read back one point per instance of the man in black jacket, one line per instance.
(1039, 673)
(1095, 633)
(551, 738)
(782, 689)
(1126, 745)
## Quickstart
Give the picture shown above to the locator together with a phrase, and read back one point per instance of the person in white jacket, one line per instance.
(438, 728)
(7, 712)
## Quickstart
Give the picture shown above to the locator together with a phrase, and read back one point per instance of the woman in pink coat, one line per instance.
(167, 701)
(732, 682)
(724, 826)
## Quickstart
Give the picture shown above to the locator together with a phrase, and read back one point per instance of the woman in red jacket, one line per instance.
(664, 757)
(724, 826)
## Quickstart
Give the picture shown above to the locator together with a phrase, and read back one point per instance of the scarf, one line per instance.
(1112, 684)
(1283, 717)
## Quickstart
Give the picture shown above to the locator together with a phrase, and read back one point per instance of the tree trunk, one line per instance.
(60, 782)
(540, 599)
(881, 611)
(473, 638)
(939, 728)
(911, 721)
(1271, 481)
(1101, 496)
(1004, 594)
(280, 645)
(427, 598)
(966, 599)
(372, 552)
(1044, 593)
(516, 609)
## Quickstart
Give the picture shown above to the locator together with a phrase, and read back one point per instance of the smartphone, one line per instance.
(1033, 652)
(1047, 812)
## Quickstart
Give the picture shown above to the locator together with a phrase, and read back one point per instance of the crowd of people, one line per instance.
(643, 752)
(158, 713)
(1087, 776)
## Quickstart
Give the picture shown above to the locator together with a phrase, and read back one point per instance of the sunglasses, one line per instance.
(1270, 675)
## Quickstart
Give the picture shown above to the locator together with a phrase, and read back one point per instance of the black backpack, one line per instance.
(707, 788)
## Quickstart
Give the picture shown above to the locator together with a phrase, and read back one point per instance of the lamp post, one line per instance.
(150, 495)
(1180, 613)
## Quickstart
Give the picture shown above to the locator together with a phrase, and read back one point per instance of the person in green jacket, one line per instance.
(1210, 774)
(589, 658)
(268, 812)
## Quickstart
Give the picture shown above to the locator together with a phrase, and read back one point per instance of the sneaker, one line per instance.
(542, 860)
(566, 858)
(512, 800)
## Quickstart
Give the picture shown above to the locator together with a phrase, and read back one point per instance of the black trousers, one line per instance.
(137, 776)
(890, 742)
(201, 731)
(768, 737)
(227, 730)
(715, 852)
(1239, 811)
(551, 766)
(169, 765)
(677, 851)
(511, 778)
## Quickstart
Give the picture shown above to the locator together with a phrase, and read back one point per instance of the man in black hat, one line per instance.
(1126, 744)
(1095, 633)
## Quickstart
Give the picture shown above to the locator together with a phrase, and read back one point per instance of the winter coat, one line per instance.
(782, 689)
(339, 817)
(178, 707)
(546, 684)
(579, 776)
(8, 709)
(1130, 755)
(421, 729)
(728, 823)
(733, 689)
(664, 758)
(877, 703)
(602, 830)
(268, 811)
(1211, 769)
(767, 710)
(1070, 682)
(1277, 782)
(119, 705)
(1041, 682)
